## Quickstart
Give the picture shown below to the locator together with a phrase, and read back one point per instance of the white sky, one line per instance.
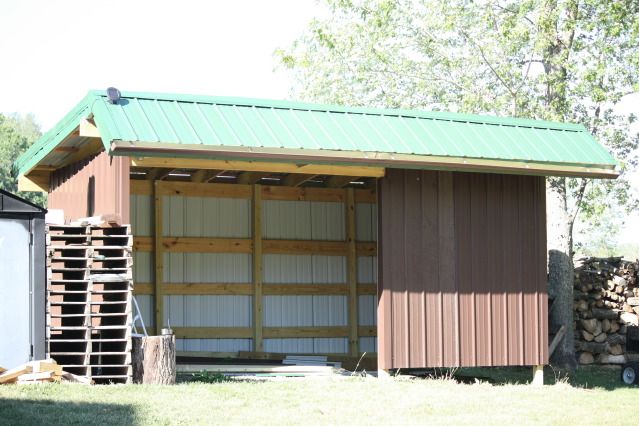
(55, 51)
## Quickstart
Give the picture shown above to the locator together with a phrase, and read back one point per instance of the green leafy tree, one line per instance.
(566, 60)
(16, 136)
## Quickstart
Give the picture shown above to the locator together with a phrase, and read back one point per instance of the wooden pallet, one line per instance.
(89, 300)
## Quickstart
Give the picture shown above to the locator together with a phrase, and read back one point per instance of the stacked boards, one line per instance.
(89, 292)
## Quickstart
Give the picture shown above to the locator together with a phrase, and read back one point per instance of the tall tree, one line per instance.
(566, 60)
(17, 133)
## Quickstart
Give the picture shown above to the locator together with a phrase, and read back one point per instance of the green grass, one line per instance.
(330, 400)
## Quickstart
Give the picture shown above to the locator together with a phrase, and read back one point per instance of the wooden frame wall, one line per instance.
(257, 246)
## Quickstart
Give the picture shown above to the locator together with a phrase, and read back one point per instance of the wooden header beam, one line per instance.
(257, 166)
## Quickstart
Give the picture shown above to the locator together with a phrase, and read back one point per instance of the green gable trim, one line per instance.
(252, 124)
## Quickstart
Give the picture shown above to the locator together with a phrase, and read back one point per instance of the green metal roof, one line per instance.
(325, 132)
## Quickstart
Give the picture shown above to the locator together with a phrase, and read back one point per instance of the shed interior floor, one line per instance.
(315, 248)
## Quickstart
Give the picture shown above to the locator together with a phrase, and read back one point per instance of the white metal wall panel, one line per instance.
(142, 215)
(213, 345)
(207, 267)
(145, 302)
(143, 267)
(209, 311)
(305, 311)
(304, 269)
(306, 345)
(367, 310)
(303, 220)
(368, 344)
(366, 221)
(367, 269)
(328, 221)
(206, 217)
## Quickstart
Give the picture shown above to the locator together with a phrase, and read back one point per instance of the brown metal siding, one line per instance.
(96, 185)
(462, 267)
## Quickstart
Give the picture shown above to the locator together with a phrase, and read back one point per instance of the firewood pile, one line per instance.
(606, 309)
(39, 372)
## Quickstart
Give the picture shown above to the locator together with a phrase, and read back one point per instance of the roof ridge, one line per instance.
(306, 106)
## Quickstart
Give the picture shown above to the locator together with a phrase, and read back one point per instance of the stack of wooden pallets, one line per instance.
(89, 291)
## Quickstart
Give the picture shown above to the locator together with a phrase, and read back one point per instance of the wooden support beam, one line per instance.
(219, 190)
(159, 258)
(245, 245)
(339, 181)
(246, 289)
(200, 176)
(88, 129)
(251, 178)
(213, 332)
(351, 262)
(296, 179)
(538, 375)
(258, 343)
(258, 166)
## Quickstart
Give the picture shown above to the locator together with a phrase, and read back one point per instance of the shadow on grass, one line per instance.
(37, 412)
(588, 377)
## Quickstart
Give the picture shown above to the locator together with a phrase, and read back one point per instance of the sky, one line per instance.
(55, 51)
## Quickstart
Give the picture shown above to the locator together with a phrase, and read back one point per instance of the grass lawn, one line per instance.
(595, 397)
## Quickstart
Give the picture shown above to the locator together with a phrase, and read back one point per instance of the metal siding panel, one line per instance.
(413, 264)
(542, 274)
(327, 221)
(291, 346)
(528, 270)
(447, 270)
(143, 267)
(208, 311)
(368, 344)
(145, 302)
(364, 224)
(367, 310)
(207, 267)
(499, 328)
(465, 244)
(213, 345)
(286, 220)
(141, 214)
(335, 345)
(367, 269)
(483, 275)
(429, 228)
(385, 284)
(511, 268)
(398, 296)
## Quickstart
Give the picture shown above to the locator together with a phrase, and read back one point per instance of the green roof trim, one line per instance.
(283, 128)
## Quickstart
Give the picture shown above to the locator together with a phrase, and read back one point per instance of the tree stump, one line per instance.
(154, 360)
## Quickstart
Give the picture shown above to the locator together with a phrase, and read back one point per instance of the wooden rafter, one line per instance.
(296, 179)
(158, 173)
(250, 178)
(339, 181)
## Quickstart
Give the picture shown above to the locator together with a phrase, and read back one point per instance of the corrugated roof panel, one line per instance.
(367, 133)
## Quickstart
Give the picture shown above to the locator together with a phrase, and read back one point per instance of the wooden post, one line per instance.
(538, 375)
(257, 269)
(353, 318)
(159, 258)
(154, 360)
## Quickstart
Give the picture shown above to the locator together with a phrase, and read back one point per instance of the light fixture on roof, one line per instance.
(113, 95)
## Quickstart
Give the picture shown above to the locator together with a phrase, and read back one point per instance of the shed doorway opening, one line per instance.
(257, 261)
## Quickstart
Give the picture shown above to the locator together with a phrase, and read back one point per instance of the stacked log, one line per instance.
(606, 309)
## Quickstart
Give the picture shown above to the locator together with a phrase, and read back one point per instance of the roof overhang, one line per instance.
(372, 164)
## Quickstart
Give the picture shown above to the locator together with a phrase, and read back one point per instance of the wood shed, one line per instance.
(283, 227)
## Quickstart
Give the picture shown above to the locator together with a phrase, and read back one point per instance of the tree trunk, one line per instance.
(154, 360)
(560, 271)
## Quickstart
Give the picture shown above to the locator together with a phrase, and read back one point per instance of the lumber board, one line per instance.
(158, 257)
(13, 374)
(257, 166)
(351, 263)
(270, 289)
(257, 268)
(206, 245)
(292, 332)
(143, 243)
(290, 193)
(196, 189)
